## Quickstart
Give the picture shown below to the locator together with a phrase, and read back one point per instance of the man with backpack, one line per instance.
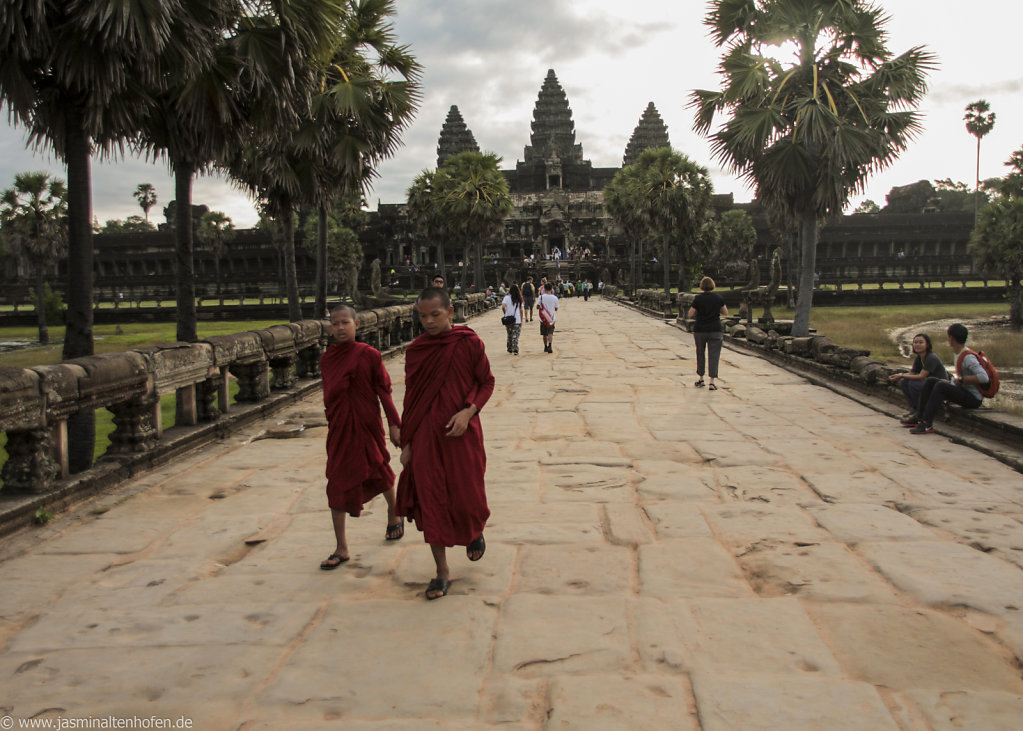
(528, 297)
(967, 387)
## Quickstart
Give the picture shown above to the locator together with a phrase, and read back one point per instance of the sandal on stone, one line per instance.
(396, 531)
(333, 561)
(699, 384)
(437, 585)
(712, 387)
(478, 547)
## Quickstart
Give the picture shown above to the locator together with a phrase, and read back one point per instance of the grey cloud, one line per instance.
(966, 93)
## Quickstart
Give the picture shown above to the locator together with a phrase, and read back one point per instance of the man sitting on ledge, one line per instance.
(962, 390)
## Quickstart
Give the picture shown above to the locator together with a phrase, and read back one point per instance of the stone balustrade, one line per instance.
(35, 403)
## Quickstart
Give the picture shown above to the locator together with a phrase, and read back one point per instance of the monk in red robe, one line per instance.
(358, 464)
(447, 382)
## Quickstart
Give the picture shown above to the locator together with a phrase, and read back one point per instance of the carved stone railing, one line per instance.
(35, 403)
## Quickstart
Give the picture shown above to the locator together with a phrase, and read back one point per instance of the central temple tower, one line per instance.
(553, 160)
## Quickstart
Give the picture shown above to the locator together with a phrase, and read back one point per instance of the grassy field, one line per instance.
(109, 340)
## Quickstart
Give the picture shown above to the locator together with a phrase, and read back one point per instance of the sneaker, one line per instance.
(909, 420)
(516, 351)
(922, 428)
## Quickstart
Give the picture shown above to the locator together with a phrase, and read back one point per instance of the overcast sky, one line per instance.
(490, 57)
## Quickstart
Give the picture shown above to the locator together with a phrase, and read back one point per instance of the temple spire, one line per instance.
(455, 137)
(553, 131)
(650, 133)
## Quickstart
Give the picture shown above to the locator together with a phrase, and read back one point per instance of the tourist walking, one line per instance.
(547, 311)
(511, 306)
(926, 364)
(355, 385)
(529, 296)
(441, 488)
(707, 308)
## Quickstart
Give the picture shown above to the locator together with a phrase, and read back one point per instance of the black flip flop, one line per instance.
(477, 545)
(396, 531)
(330, 567)
(438, 584)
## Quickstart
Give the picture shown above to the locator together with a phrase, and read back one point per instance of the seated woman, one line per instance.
(926, 364)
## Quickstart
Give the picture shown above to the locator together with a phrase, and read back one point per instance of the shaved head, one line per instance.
(435, 293)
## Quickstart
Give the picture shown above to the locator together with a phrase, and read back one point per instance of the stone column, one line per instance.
(206, 393)
(309, 362)
(30, 465)
(253, 381)
(283, 373)
(136, 425)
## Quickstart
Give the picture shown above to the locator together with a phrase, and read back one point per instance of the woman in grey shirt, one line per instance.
(926, 364)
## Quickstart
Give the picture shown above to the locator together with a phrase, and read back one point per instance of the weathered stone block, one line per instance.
(21, 403)
(178, 365)
(112, 378)
(820, 344)
(756, 335)
(797, 346)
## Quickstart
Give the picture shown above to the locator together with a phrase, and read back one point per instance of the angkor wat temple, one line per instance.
(558, 198)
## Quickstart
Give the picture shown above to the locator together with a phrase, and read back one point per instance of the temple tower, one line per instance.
(455, 137)
(650, 133)
(553, 131)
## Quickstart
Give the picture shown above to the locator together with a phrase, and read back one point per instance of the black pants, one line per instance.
(713, 342)
(936, 391)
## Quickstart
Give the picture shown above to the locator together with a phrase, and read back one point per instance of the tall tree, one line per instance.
(997, 240)
(674, 199)
(736, 238)
(76, 75)
(979, 121)
(255, 77)
(807, 133)
(365, 95)
(145, 194)
(474, 196)
(216, 232)
(33, 225)
(623, 199)
(426, 215)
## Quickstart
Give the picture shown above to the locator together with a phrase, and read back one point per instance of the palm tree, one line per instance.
(33, 223)
(216, 232)
(674, 200)
(979, 121)
(807, 133)
(145, 194)
(622, 197)
(255, 76)
(75, 75)
(997, 248)
(426, 215)
(366, 93)
(473, 195)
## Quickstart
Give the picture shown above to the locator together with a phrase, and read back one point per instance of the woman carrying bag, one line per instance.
(511, 306)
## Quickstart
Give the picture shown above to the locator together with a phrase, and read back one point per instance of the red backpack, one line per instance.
(991, 388)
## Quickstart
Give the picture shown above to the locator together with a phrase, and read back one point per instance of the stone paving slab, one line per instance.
(770, 555)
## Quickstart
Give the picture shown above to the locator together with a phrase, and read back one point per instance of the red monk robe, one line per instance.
(442, 486)
(358, 464)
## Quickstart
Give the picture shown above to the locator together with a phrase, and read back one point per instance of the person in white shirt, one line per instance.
(512, 306)
(547, 309)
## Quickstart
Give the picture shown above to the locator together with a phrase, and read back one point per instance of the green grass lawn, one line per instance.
(108, 340)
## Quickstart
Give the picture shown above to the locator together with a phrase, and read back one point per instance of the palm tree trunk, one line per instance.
(78, 334)
(804, 302)
(44, 334)
(216, 271)
(1015, 305)
(443, 264)
(321, 262)
(477, 267)
(976, 189)
(666, 262)
(290, 275)
(790, 260)
(184, 276)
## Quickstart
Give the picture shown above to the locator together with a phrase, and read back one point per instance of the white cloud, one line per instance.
(489, 57)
